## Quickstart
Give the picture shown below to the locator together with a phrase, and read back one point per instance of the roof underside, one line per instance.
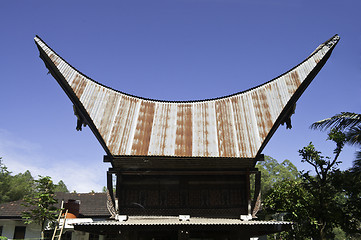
(236, 126)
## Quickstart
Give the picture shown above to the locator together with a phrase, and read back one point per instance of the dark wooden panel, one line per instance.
(174, 195)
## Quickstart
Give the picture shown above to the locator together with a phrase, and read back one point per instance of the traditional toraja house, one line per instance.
(183, 169)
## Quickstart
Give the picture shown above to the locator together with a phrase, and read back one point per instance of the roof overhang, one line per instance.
(139, 163)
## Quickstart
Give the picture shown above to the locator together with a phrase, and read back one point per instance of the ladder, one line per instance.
(59, 227)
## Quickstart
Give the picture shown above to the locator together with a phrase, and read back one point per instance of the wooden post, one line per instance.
(117, 186)
(249, 212)
(117, 191)
(110, 186)
(257, 194)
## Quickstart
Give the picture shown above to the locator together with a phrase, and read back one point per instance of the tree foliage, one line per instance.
(61, 187)
(22, 184)
(325, 197)
(16, 187)
(273, 172)
(321, 202)
(41, 209)
(290, 201)
(38, 194)
(348, 123)
(348, 183)
(4, 182)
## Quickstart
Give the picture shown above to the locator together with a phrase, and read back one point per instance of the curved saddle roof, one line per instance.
(235, 126)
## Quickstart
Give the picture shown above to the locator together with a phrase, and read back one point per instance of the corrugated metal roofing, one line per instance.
(237, 126)
(158, 220)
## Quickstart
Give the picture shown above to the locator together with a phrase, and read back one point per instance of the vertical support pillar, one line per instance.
(249, 212)
(257, 194)
(110, 186)
(117, 186)
(117, 190)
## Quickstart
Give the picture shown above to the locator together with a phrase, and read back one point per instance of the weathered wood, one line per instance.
(110, 186)
(172, 172)
(256, 203)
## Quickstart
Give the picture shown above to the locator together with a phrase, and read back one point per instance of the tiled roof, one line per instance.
(11, 209)
(239, 125)
(91, 205)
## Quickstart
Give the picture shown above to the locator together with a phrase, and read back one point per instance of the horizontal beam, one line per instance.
(186, 172)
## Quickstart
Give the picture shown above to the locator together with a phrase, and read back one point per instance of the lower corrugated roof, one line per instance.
(169, 220)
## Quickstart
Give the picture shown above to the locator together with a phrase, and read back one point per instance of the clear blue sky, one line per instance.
(165, 49)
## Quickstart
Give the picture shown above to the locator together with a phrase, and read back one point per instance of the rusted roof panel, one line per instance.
(237, 126)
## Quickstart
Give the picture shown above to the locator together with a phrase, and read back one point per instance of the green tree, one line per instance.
(273, 172)
(4, 182)
(314, 202)
(349, 184)
(326, 197)
(14, 188)
(348, 123)
(61, 187)
(349, 181)
(22, 184)
(290, 201)
(41, 209)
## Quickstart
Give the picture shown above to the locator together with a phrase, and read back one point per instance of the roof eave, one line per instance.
(290, 105)
(74, 99)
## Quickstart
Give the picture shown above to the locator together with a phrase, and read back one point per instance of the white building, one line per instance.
(89, 207)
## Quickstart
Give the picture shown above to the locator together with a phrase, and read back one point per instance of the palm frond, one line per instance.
(341, 121)
(357, 163)
(353, 135)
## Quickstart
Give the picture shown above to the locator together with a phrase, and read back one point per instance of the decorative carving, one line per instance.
(287, 118)
(333, 41)
(80, 120)
(110, 206)
(257, 206)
